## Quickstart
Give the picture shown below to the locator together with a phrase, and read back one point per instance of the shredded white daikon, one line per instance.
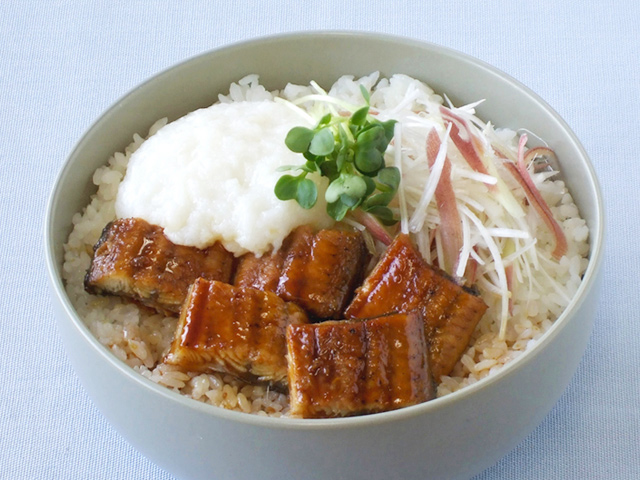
(498, 228)
(402, 201)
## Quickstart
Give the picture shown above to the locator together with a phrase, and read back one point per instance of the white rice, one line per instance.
(544, 285)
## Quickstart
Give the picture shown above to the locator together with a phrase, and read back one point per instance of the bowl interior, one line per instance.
(324, 57)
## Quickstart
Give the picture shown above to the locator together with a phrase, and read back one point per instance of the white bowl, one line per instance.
(456, 436)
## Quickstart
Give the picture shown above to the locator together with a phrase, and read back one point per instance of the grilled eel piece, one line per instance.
(317, 271)
(235, 330)
(402, 281)
(135, 259)
(350, 367)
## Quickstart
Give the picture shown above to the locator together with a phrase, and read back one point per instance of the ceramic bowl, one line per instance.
(455, 436)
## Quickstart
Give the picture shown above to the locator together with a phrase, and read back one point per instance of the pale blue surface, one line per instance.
(62, 63)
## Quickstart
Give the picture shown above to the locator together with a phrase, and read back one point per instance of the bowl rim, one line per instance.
(596, 242)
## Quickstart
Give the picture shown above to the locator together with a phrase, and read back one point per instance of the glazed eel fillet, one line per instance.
(235, 330)
(402, 281)
(135, 259)
(349, 367)
(318, 271)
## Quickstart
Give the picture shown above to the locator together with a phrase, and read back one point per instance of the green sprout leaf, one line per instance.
(350, 201)
(298, 139)
(371, 186)
(286, 187)
(330, 169)
(299, 188)
(285, 168)
(378, 200)
(368, 161)
(389, 127)
(307, 193)
(349, 151)
(384, 214)
(365, 95)
(374, 137)
(354, 186)
(359, 116)
(337, 210)
(389, 177)
(350, 185)
(322, 143)
(325, 120)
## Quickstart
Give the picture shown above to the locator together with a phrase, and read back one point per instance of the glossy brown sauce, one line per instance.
(339, 368)
(402, 281)
(135, 259)
(318, 271)
(237, 330)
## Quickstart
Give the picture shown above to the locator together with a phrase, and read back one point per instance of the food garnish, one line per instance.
(349, 151)
(445, 197)
(533, 195)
